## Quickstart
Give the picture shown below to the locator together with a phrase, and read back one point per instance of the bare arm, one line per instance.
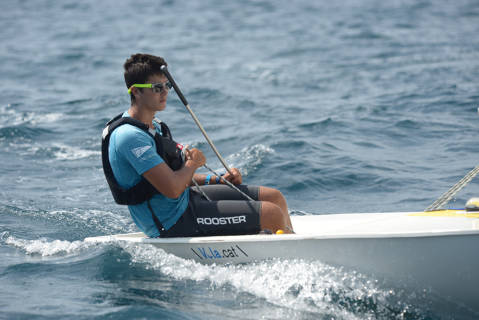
(235, 178)
(172, 183)
(201, 179)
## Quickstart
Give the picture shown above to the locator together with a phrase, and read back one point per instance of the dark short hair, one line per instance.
(139, 67)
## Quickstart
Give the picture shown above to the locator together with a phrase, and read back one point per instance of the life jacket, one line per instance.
(169, 151)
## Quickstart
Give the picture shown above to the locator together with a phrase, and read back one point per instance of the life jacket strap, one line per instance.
(157, 221)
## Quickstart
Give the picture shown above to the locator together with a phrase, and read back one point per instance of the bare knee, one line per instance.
(271, 195)
(272, 217)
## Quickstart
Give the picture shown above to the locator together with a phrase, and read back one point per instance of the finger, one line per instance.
(188, 154)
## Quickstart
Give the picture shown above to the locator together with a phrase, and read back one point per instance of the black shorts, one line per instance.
(228, 213)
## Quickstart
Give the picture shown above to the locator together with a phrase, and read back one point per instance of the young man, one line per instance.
(145, 169)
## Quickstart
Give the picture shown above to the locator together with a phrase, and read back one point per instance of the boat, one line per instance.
(434, 250)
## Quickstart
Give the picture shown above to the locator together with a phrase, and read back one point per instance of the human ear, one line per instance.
(135, 91)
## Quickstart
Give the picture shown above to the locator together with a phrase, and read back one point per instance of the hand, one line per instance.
(235, 177)
(196, 156)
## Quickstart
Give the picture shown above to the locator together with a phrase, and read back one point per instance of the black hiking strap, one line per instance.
(157, 221)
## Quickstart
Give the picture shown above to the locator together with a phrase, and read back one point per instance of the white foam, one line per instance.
(262, 72)
(59, 151)
(296, 285)
(249, 158)
(66, 152)
(45, 117)
(46, 247)
(11, 117)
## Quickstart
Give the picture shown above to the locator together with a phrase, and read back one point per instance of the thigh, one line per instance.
(223, 217)
(184, 227)
(217, 217)
(218, 192)
(227, 217)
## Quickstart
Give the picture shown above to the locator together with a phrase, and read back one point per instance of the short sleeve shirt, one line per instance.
(132, 152)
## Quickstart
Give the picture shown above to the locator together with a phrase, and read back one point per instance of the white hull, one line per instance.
(438, 251)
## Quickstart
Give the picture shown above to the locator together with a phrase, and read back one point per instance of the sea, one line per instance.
(347, 106)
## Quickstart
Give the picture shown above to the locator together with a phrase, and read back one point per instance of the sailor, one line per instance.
(152, 174)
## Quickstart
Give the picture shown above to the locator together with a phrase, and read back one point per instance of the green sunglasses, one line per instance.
(156, 87)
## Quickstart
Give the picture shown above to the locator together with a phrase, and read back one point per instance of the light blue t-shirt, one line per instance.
(132, 152)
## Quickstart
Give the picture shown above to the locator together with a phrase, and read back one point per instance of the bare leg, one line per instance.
(272, 217)
(274, 196)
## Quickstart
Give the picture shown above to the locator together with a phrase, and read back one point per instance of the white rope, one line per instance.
(229, 183)
(202, 192)
(234, 187)
(446, 197)
(226, 181)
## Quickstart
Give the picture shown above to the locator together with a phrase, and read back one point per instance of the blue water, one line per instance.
(360, 106)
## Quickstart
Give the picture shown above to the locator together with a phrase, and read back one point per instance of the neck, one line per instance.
(142, 114)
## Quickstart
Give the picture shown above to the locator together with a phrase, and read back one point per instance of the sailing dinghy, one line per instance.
(435, 250)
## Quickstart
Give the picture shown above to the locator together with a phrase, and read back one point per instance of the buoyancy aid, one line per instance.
(166, 147)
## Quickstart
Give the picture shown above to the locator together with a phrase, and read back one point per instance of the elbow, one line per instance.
(175, 192)
(165, 181)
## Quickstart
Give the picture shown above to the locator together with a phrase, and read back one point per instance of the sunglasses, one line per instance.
(156, 87)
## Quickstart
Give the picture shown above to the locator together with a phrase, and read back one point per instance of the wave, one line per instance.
(408, 124)
(297, 286)
(65, 152)
(327, 123)
(22, 132)
(249, 159)
(12, 117)
(57, 151)
(45, 247)
(91, 221)
(104, 222)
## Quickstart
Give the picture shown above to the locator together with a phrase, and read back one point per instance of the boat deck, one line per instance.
(350, 225)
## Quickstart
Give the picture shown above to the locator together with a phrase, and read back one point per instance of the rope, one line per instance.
(234, 187)
(202, 192)
(446, 197)
(229, 183)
